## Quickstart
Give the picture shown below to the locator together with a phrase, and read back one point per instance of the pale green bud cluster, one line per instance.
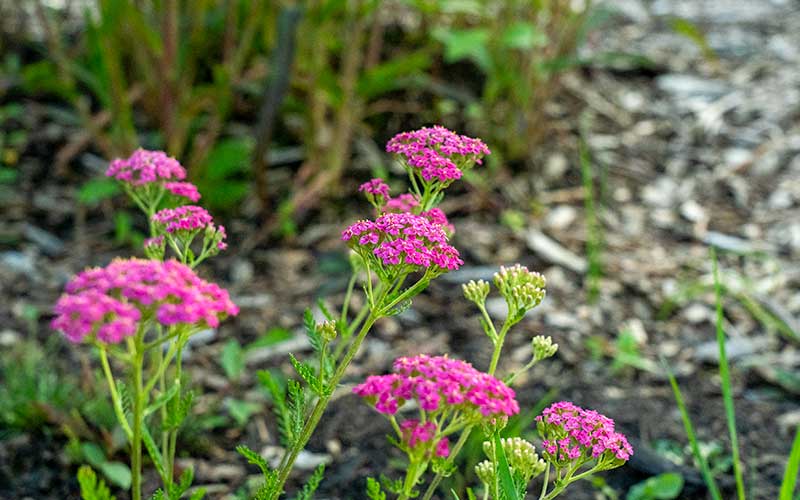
(522, 459)
(327, 329)
(543, 347)
(485, 472)
(522, 289)
(476, 291)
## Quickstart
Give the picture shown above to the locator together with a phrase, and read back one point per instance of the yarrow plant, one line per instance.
(140, 313)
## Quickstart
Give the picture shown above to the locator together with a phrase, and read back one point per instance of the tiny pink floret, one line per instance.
(375, 187)
(185, 218)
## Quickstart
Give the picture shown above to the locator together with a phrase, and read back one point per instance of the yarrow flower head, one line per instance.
(571, 434)
(402, 243)
(146, 167)
(523, 461)
(439, 383)
(437, 154)
(110, 302)
(403, 203)
(187, 221)
(184, 190)
(417, 437)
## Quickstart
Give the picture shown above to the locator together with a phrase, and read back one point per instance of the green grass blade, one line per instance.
(687, 425)
(792, 469)
(503, 471)
(725, 376)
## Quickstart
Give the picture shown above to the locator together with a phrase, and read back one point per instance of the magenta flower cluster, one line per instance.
(405, 202)
(184, 190)
(375, 187)
(416, 433)
(570, 432)
(189, 218)
(145, 167)
(109, 301)
(403, 238)
(437, 152)
(437, 383)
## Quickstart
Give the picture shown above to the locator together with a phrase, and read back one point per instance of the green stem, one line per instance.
(319, 407)
(115, 398)
(453, 453)
(544, 483)
(138, 418)
(498, 347)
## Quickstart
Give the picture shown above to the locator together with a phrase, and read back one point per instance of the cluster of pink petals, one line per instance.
(144, 167)
(406, 202)
(110, 301)
(416, 433)
(155, 241)
(437, 382)
(185, 218)
(436, 151)
(579, 432)
(184, 190)
(375, 187)
(404, 238)
(437, 216)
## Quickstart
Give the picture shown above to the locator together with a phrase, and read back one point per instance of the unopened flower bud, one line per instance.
(327, 329)
(154, 248)
(476, 291)
(485, 472)
(522, 289)
(522, 457)
(543, 347)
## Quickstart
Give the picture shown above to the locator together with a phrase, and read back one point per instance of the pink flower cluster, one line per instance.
(406, 202)
(569, 432)
(437, 152)
(416, 433)
(403, 238)
(109, 301)
(438, 382)
(144, 167)
(185, 218)
(184, 190)
(375, 187)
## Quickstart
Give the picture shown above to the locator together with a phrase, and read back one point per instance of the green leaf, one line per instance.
(92, 488)
(396, 73)
(307, 493)
(162, 399)
(522, 35)
(279, 405)
(232, 360)
(665, 486)
(374, 491)
(93, 454)
(273, 336)
(118, 473)
(792, 469)
(97, 190)
(466, 44)
(307, 374)
(310, 326)
(153, 451)
(297, 408)
(504, 471)
(241, 411)
(223, 174)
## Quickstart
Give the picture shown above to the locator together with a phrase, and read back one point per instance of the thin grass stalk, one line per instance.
(792, 469)
(689, 428)
(724, 373)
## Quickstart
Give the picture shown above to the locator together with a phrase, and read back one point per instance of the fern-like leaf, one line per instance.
(307, 493)
(92, 488)
(374, 490)
(297, 407)
(278, 405)
(307, 374)
(314, 338)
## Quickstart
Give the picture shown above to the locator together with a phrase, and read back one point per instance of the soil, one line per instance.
(689, 150)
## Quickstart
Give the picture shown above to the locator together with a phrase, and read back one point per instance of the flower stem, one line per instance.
(138, 419)
(319, 407)
(115, 397)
